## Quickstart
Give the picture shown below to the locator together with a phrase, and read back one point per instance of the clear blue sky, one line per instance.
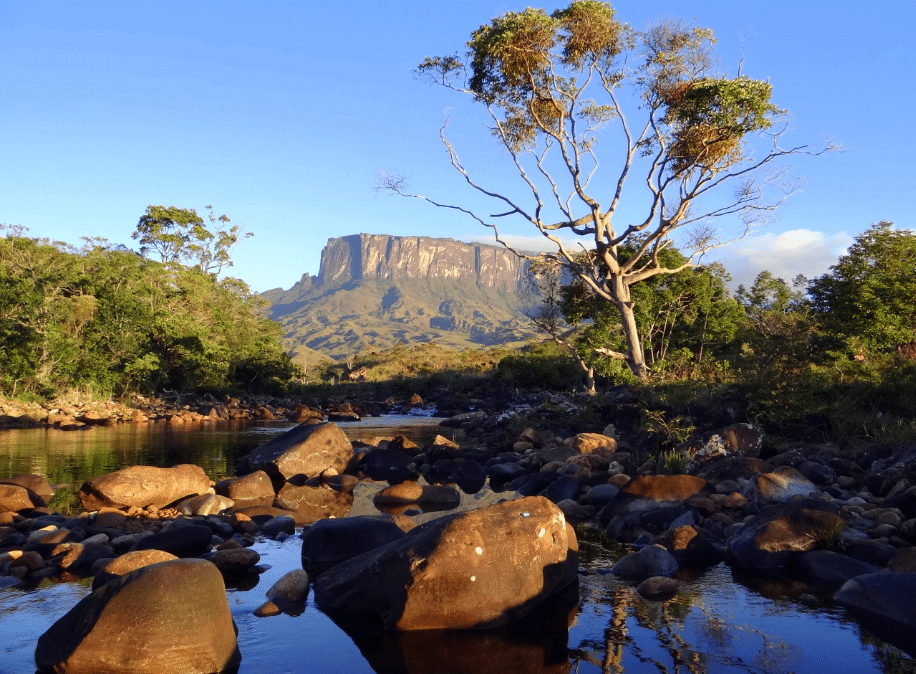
(281, 114)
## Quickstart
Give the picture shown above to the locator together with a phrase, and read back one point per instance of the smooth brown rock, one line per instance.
(314, 503)
(168, 618)
(306, 450)
(665, 487)
(252, 487)
(293, 587)
(37, 484)
(585, 443)
(412, 492)
(235, 561)
(778, 487)
(469, 570)
(128, 562)
(143, 486)
(14, 498)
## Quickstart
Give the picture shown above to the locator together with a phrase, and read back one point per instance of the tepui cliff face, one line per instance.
(374, 291)
(386, 258)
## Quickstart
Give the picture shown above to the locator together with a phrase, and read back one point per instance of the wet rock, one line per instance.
(306, 450)
(476, 569)
(652, 492)
(653, 560)
(886, 598)
(384, 465)
(658, 588)
(826, 568)
(469, 476)
(280, 524)
(143, 486)
(312, 503)
(168, 618)
(292, 587)
(327, 543)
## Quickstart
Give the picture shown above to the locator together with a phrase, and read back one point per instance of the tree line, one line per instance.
(110, 321)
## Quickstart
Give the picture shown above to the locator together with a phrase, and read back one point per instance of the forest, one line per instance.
(109, 322)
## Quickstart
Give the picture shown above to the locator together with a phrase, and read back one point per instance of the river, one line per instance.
(719, 622)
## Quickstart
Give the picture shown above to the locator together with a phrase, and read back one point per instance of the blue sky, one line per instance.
(281, 114)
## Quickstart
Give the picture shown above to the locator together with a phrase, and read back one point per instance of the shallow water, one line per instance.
(719, 622)
(715, 624)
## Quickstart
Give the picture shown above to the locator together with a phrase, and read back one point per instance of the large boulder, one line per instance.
(307, 450)
(143, 486)
(128, 562)
(469, 570)
(769, 541)
(327, 543)
(168, 618)
(884, 602)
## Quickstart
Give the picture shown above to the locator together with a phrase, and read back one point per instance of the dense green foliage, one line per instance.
(105, 320)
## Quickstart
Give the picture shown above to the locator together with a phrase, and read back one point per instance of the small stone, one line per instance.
(658, 587)
(267, 609)
(294, 587)
(235, 561)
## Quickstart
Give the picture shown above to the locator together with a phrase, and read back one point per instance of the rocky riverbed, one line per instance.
(844, 524)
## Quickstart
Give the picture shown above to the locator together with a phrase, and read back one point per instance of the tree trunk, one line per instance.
(635, 357)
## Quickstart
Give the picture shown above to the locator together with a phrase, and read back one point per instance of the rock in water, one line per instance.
(142, 486)
(168, 618)
(476, 569)
(307, 449)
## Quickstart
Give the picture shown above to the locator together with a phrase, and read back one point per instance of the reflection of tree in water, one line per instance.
(669, 621)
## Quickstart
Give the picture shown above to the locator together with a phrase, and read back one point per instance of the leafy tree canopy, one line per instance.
(868, 295)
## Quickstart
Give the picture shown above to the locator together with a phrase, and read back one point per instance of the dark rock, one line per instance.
(690, 546)
(469, 476)
(884, 603)
(658, 588)
(602, 494)
(327, 543)
(565, 487)
(168, 617)
(384, 465)
(533, 484)
(818, 473)
(187, 541)
(826, 569)
(653, 560)
(870, 552)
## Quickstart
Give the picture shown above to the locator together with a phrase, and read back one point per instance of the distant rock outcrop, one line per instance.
(375, 291)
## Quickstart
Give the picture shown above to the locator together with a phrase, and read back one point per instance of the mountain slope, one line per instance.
(375, 291)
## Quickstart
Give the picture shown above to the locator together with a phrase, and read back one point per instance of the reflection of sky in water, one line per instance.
(714, 625)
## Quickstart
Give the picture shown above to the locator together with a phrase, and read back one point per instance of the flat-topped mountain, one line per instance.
(374, 291)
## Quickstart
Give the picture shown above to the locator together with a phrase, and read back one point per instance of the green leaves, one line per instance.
(868, 296)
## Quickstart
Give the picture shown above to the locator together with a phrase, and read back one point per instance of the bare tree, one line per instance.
(698, 133)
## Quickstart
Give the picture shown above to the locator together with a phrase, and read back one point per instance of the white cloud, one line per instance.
(798, 251)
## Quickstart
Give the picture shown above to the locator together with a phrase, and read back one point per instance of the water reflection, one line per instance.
(535, 645)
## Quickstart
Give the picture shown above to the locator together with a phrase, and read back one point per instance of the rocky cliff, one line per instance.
(377, 290)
